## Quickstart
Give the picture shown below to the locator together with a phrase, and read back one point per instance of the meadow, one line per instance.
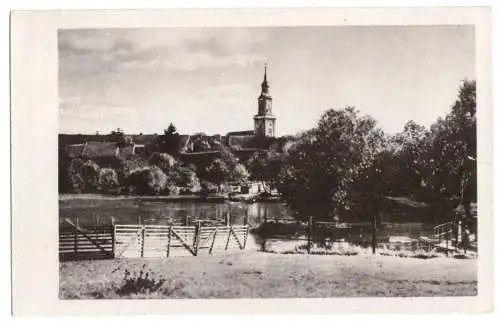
(269, 275)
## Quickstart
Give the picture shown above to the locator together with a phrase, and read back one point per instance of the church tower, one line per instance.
(264, 121)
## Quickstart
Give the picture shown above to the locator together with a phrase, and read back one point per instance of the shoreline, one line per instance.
(67, 197)
(169, 198)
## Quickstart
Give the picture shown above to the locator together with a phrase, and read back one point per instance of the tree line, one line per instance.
(342, 168)
(164, 172)
(339, 170)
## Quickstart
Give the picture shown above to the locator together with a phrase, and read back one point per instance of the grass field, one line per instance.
(266, 275)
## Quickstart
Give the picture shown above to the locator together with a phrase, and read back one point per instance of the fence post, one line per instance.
(142, 240)
(228, 219)
(228, 237)
(213, 241)
(197, 237)
(446, 243)
(374, 233)
(169, 240)
(113, 239)
(309, 233)
(75, 236)
(246, 236)
(113, 236)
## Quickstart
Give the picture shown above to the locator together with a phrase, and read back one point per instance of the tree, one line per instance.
(239, 174)
(162, 160)
(227, 156)
(75, 178)
(409, 160)
(108, 180)
(147, 181)
(171, 130)
(168, 142)
(324, 163)
(90, 173)
(217, 172)
(184, 178)
(264, 165)
(452, 172)
(128, 165)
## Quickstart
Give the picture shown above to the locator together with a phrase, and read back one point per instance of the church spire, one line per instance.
(264, 121)
(265, 85)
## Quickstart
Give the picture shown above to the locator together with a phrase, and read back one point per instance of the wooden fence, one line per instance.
(445, 237)
(76, 243)
(155, 241)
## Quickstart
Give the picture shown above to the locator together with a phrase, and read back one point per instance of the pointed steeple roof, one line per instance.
(265, 85)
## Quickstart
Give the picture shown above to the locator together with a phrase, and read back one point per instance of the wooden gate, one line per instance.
(160, 241)
(76, 243)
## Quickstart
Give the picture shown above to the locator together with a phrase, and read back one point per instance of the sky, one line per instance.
(208, 79)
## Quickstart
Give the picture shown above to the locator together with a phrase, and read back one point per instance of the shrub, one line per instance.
(144, 283)
(83, 176)
(172, 189)
(208, 188)
(90, 173)
(239, 174)
(185, 179)
(75, 178)
(108, 180)
(147, 181)
(162, 160)
(128, 165)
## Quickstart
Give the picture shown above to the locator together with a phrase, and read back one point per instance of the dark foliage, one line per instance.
(143, 283)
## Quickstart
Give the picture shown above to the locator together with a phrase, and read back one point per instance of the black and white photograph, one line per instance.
(267, 162)
(250, 161)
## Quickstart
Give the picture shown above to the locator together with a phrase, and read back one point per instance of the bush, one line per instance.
(172, 189)
(162, 160)
(108, 181)
(146, 181)
(129, 165)
(185, 179)
(144, 283)
(239, 174)
(208, 188)
(83, 176)
(90, 174)
(76, 183)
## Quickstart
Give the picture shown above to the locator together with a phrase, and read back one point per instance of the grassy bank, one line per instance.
(264, 275)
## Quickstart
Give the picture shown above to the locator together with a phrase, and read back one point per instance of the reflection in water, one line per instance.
(96, 212)
(104, 212)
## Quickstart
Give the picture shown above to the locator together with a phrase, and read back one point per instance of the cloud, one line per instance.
(174, 49)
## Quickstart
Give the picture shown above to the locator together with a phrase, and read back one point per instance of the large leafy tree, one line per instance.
(452, 167)
(408, 162)
(325, 162)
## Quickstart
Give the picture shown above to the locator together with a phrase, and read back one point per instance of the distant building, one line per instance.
(242, 143)
(265, 121)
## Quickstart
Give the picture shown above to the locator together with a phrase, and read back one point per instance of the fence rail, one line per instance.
(155, 241)
(447, 237)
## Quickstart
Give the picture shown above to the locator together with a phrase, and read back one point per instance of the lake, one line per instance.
(91, 212)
